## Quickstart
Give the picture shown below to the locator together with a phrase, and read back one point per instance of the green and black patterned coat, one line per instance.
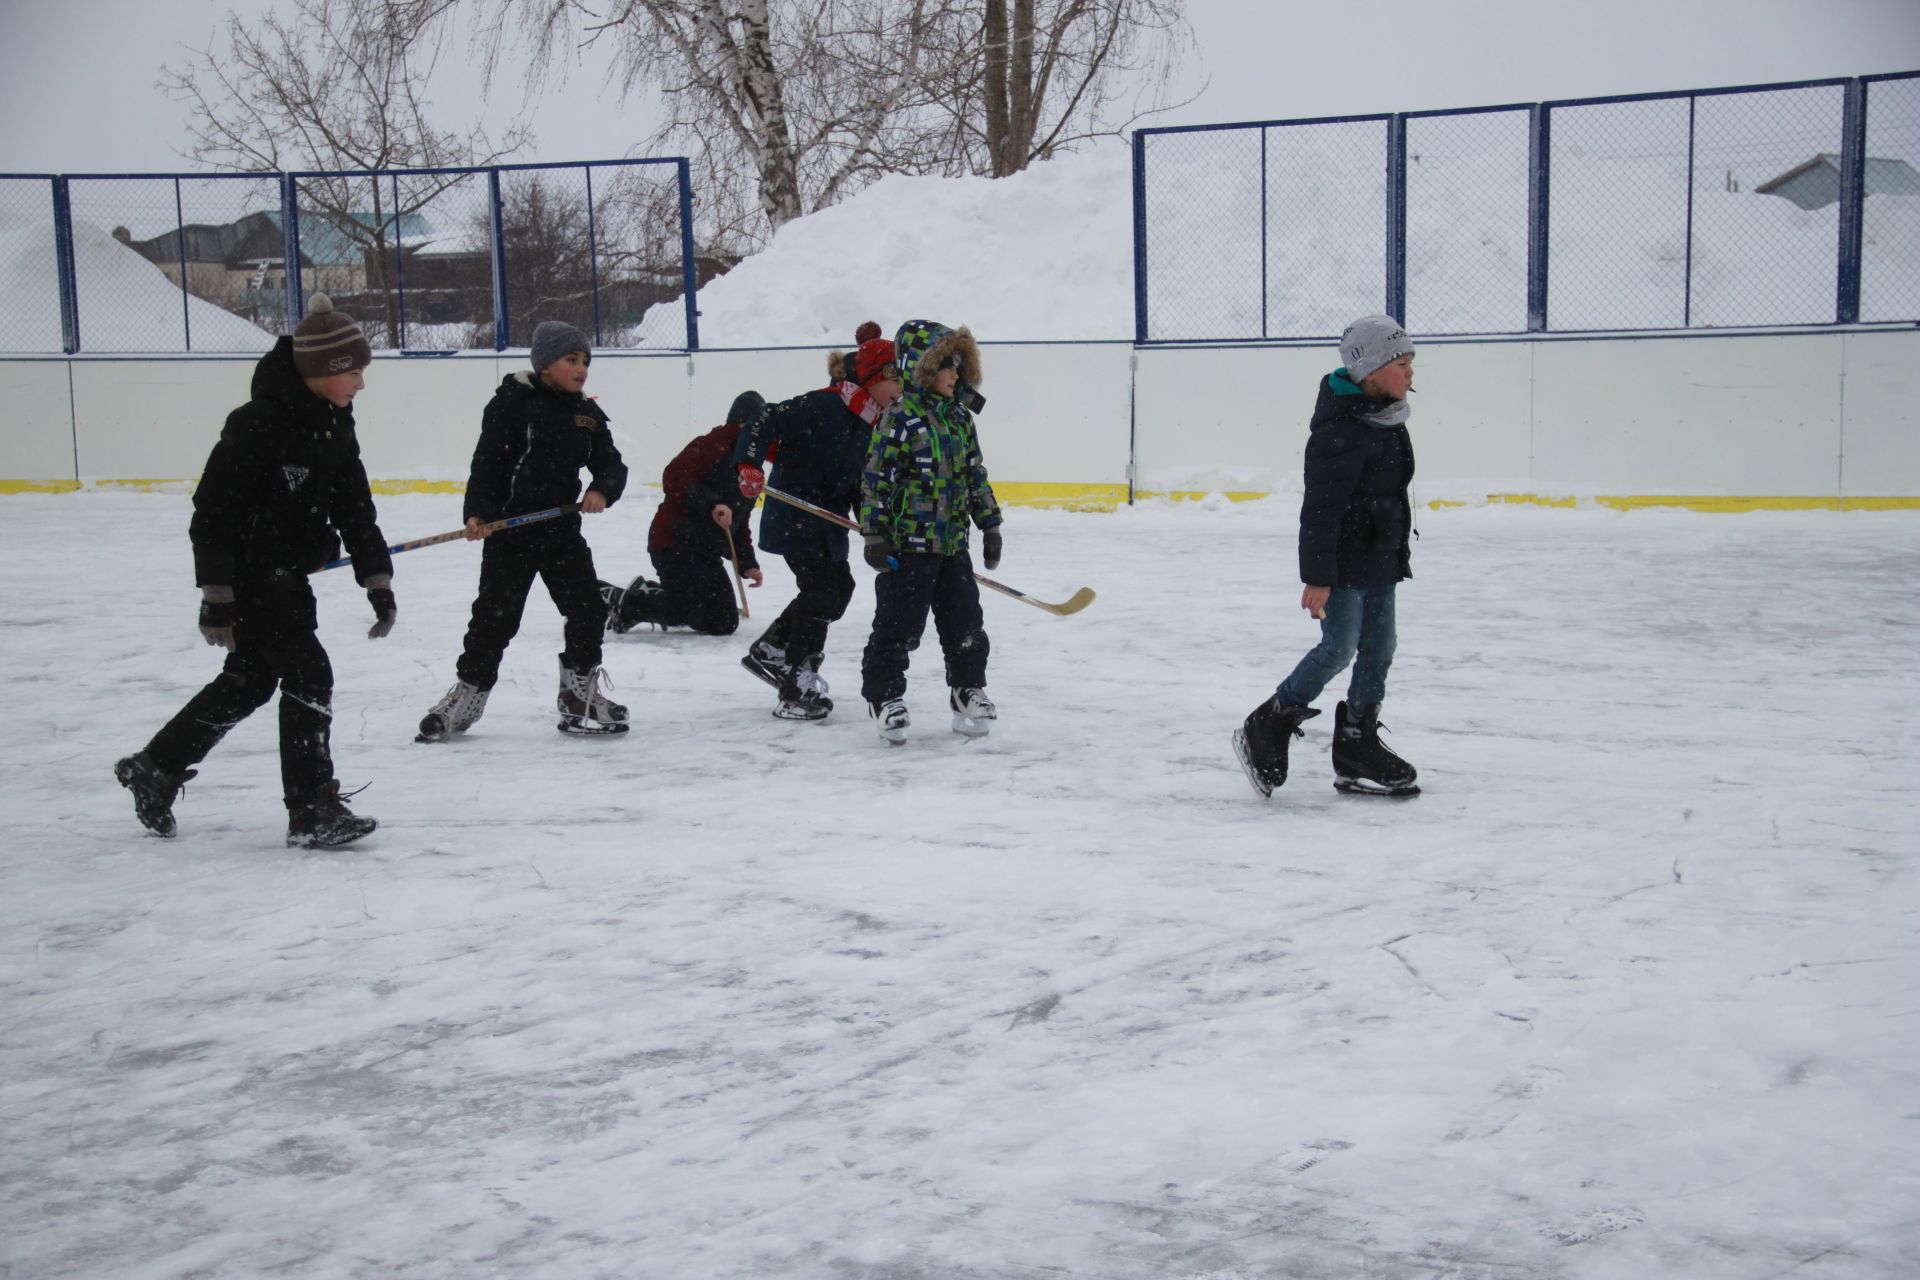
(925, 482)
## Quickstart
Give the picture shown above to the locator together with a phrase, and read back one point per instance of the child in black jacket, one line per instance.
(699, 528)
(1355, 519)
(284, 477)
(536, 435)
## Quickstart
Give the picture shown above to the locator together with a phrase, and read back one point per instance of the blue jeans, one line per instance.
(1358, 628)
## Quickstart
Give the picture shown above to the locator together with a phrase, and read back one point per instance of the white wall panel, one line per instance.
(153, 419)
(1880, 423)
(36, 437)
(1227, 419)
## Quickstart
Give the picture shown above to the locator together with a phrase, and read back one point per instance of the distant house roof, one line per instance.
(323, 243)
(257, 237)
(1816, 184)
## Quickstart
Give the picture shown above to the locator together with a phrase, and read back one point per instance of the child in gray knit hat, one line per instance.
(1355, 522)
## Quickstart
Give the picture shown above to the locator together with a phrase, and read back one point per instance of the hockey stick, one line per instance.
(511, 522)
(1072, 604)
(739, 579)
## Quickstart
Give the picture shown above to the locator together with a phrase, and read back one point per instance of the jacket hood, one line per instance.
(274, 377)
(921, 346)
(1340, 398)
(526, 384)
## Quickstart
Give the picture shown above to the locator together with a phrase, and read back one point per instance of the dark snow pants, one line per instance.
(826, 587)
(903, 597)
(275, 646)
(509, 561)
(696, 591)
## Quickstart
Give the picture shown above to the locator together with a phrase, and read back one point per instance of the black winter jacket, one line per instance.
(282, 488)
(700, 478)
(533, 442)
(1355, 518)
(819, 448)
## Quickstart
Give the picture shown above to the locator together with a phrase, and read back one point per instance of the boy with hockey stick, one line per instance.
(285, 475)
(1355, 519)
(538, 431)
(821, 440)
(924, 483)
(700, 526)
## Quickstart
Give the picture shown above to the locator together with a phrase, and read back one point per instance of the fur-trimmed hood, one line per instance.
(921, 346)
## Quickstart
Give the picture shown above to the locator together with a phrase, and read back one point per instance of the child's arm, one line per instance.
(1336, 455)
(491, 472)
(980, 499)
(608, 470)
(881, 477)
(354, 515)
(223, 503)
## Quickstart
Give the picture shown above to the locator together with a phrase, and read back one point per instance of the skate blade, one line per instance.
(761, 671)
(968, 727)
(1358, 787)
(1260, 785)
(802, 717)
(601, 730)
(320, 842)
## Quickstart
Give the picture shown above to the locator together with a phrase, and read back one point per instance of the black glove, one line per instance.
(385, 611)
(990, 547)
(218, 613)
(879, 553)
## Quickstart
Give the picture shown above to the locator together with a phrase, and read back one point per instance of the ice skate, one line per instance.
(1362, 764)
(1261, 742)
(803, 694)
(626, 604)
(323, 821)
(892, 718)
(456, 712)
(767, 662)
(584, 706)
(973, 712)
(154, 790)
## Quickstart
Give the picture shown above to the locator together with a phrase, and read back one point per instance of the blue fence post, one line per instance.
(501, 328)
(1686, 288)
(690, 276)
(290, 236)
(1853, 196)
(1264, 254)
(399, 268)
(180, 242)
(1397, 218)
(1140, 237)
(1539, 171)
(63, 261)
(593, 258)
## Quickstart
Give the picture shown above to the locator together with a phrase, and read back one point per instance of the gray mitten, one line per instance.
(218, 613)
(990, 547)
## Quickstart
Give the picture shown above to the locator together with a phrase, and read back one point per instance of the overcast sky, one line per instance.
(77, 76)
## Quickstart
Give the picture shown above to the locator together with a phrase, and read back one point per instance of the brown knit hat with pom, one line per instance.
(328, 341)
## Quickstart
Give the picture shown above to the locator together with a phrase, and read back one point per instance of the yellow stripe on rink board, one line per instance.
(1108, 497)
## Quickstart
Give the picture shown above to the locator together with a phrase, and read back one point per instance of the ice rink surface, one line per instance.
(1631, 991)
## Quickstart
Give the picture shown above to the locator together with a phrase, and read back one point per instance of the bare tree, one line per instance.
(337, 85)
(788, 106)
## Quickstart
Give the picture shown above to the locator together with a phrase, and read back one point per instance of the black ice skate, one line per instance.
(1261, 742)
(1362, 764)
(973, 712)
(892, 718)
(584, 706)
(323, 821)
(625, 605)
(153, 790)
(803, 694)
(767, 662)
(456, 712)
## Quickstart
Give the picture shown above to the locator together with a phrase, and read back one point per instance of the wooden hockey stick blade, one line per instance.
(1073, 604)
(511, 522)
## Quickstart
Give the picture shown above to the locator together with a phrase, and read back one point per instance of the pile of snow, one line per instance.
(126, 302)
(1043, 254)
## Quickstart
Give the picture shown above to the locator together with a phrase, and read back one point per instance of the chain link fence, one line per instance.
(1707, 209)
(425, 260)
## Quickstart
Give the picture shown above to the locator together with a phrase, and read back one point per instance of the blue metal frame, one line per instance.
(501, 325)
(180, 243)
(290, 235)
(690, 277)
(1539, 188)
(593, 260)
(63, 260)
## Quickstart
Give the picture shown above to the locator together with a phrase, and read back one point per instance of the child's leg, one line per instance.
(507, 566)
(825, 588)
(567, 569)
(956, 617)
(245, 684)
(901, 598)
(1339, 636)
(695, 591)
(1377, 640)
(306, 717)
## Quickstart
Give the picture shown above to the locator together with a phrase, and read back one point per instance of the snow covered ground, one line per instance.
(1630, 992)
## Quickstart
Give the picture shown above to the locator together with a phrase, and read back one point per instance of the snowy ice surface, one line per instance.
(1629, 992)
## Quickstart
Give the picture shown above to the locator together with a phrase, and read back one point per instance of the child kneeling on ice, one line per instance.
(924, 484)
(1354, 524)
(538, 431)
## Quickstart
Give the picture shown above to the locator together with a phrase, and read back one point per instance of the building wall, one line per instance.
(1715, 422)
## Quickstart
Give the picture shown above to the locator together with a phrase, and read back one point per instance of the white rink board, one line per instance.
(1808, 416)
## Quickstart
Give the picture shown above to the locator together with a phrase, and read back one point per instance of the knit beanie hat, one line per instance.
(745, 406)
(873, 359)
(1372, 342)
(328, 342)
(555, 338)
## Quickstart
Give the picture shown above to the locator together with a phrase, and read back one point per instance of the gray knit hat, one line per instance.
(555, 338)
(1372, 342)
(328, 342)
